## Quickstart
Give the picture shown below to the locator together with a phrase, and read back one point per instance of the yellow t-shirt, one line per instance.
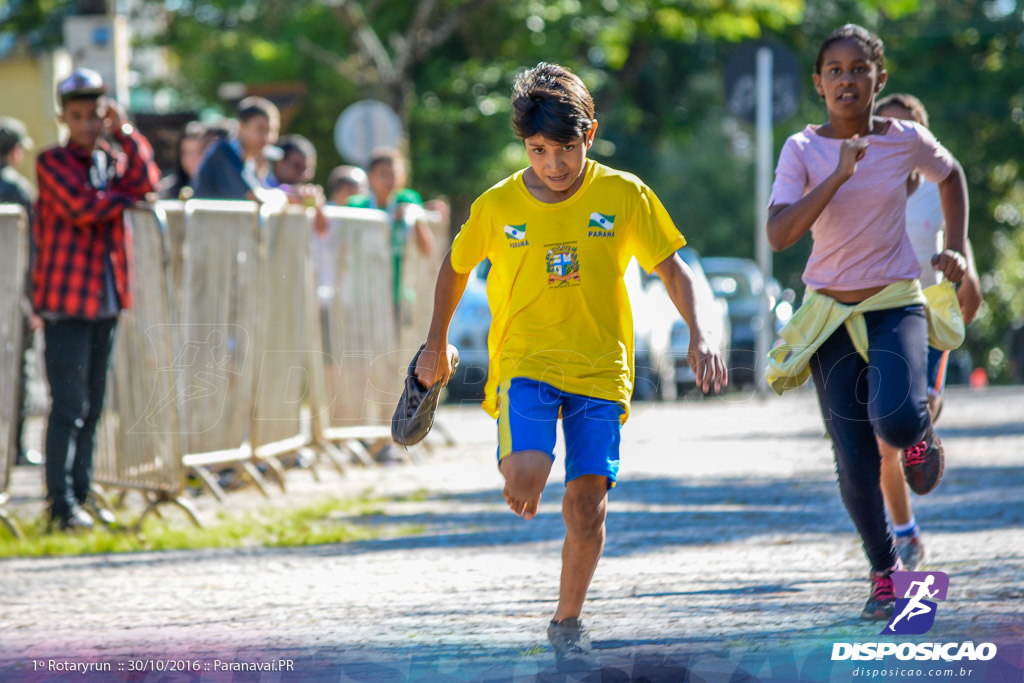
(559, 309)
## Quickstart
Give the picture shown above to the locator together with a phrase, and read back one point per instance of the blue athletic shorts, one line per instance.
(937, 362)
(528, 417)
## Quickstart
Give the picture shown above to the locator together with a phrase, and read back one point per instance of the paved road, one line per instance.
(728, 549)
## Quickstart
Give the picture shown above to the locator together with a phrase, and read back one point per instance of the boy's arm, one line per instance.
(447, 293)
(692, 303)
(424, 237)
(141, 175)
(71, 197)
(414, 213)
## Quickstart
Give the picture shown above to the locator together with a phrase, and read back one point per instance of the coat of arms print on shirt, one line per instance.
(563, 265)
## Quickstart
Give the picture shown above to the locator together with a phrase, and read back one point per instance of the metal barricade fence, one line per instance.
(419, 276)
(288, 343)
(214, 339)
(139, 438)
(13, 261)
(362, 361)
(223, 353)
(172, 214)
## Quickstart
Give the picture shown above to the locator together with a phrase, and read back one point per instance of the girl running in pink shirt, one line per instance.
(845, 181)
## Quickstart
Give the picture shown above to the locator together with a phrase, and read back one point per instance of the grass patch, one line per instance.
(314, 524)
(417, 496)
(531, 651)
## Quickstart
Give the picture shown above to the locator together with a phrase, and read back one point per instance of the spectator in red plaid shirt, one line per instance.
(81, 276)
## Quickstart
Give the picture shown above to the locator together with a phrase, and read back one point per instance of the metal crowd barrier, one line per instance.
(229, 357)
(139, 437)
(419, 276)
(13, 261)
(363, 362)
(172, 215)
(215, 337)
(288, 342)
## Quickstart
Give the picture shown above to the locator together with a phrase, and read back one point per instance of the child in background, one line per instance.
(926, 229)
(81, 276)
(386, 179)
(344, 183)
(238, 167)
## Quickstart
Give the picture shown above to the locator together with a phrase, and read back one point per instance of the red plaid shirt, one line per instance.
(79, 223)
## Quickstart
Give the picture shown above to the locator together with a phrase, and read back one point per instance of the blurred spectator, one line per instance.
(215, 132)
(238, 167)
(15, 189)
(80, 276)
(386, 178)
(297, 165)
(344, 183)
(14, 142)
(438, 210)
(191, 146)
(293, 175)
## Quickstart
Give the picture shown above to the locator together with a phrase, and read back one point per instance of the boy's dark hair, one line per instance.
(908, 102)
(381, 155)
(552, 101)
(252, 107)
(871, 43)
(297, 143)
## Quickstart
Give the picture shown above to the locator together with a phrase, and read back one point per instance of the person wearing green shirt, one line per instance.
(386, 177)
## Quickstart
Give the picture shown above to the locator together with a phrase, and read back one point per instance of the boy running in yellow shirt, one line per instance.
(559, 235)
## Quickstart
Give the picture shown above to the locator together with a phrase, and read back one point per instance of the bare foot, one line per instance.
(527, 509)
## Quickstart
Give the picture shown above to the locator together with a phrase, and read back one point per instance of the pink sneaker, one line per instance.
(883, 594)
(923, 464)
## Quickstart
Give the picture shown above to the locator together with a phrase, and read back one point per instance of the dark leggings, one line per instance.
(77, 355)
(887, 396)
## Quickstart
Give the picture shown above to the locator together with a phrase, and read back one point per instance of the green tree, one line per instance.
(446, 66)
(965, 60)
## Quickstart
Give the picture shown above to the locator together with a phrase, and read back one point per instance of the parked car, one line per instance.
(468, 331)
(661, 336)
(740, 282)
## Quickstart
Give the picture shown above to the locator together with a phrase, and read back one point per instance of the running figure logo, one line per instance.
(914, 613)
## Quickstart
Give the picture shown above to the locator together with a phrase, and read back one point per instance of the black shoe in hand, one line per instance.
(414, 415)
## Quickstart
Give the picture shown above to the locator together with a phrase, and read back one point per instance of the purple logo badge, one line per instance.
(916, 592)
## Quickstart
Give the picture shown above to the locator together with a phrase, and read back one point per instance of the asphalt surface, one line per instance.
(729, 557)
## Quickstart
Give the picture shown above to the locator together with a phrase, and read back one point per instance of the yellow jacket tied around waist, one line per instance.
(821, 315)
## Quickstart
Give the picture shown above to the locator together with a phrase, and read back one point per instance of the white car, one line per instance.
(661, 336)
